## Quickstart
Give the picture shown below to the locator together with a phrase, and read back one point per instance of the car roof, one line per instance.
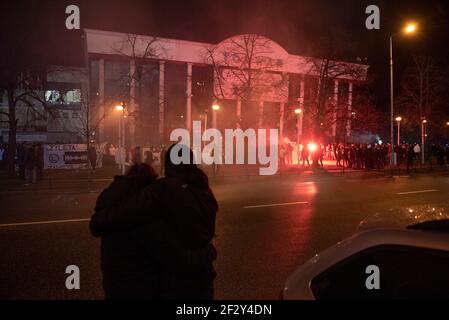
(360, 242)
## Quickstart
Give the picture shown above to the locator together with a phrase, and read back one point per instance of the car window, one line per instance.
(404, 273)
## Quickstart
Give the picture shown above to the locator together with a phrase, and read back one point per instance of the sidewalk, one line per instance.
(86, 180)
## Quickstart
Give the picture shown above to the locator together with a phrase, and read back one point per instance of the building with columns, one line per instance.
(167, 83)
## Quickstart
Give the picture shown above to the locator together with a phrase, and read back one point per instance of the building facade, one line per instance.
(168, 83)
(54, 112)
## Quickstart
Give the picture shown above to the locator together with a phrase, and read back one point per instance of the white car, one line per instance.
(412, 263)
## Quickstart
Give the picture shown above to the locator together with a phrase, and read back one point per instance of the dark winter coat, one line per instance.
(30, 158)
(143, 259)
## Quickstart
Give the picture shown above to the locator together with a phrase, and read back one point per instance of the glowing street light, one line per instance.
(399, 119)
(410, 28)
(215, 108)
(298, 112)
(423, 139)
(121, 136)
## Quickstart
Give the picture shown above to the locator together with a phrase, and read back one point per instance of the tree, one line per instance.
(142, 52)
(21, 68)
(365, 118)
(423, 92)
(90, 118)
(245, 69)
(324, 111)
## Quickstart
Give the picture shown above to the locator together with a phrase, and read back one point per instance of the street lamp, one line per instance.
(215, 108)
(121, 135)
(423, 139)
(410, 28)
(399, 119)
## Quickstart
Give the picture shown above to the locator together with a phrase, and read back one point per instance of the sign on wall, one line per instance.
(65, 156)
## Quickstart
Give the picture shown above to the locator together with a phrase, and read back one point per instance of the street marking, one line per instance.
(420, 191)
(275, 205)
(41, 222)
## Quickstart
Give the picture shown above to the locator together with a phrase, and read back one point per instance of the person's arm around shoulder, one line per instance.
(129, 212)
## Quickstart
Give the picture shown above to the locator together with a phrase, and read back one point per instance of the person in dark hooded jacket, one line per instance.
(182, 199)
(134, 262)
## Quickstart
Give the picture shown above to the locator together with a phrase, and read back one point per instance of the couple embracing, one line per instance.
(156, 234)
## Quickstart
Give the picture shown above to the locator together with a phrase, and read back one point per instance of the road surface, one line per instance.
(265, 229)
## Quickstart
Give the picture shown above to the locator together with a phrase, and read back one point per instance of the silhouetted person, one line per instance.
(92, 156)
(39, 154)
(137, 157)
(21, 158)
(305, 154)
(30, 165)
(183, 200)
(410, 157)
(140, 262)
(149, 159)
(282, 154)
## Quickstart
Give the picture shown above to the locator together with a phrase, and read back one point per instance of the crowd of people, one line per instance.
(30, 162)
(133, 155)
(3, 152)
(359, 156)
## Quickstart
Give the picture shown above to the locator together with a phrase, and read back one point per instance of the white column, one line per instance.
(189, 98)
(239, 111)
(348, 122)
(101, 100)
(301, 105)
(281, 122)
(161, 99)
(132, 103)
(260, 114)
(335, 106)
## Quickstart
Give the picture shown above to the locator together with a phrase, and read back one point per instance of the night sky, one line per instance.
(294, 24)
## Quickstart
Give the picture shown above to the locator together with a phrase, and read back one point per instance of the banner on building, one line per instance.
(65, 156)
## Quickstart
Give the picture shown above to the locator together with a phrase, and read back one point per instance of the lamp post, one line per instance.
(399, 119)
(206, 113)
(215, 108)
(423, 139)
(298, 113)
(121, 136)
(353, 114)
(409, 29)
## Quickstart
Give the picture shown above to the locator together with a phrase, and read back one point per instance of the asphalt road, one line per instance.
(265, 229)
